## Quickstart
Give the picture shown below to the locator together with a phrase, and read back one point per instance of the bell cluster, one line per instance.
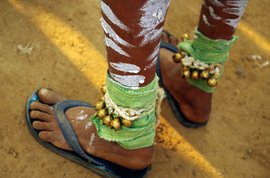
(195, 70)
(108, 119)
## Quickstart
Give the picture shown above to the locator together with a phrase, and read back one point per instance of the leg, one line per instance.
(218, 20)
(132, 30)
(133, 48)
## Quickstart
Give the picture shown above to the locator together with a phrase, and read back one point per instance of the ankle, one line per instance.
(126, 115)
(195, 104)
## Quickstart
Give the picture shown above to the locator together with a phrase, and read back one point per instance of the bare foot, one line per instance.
(194, 103)
(45, 122)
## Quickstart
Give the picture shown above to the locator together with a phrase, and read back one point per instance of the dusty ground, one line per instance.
(68, 55)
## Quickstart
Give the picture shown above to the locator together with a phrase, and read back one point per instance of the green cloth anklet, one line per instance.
(208, 51)
(142, 132)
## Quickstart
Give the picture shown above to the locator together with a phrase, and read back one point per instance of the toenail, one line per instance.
(35, 124)
(43, 136)
(32, 105)
(33, 113)
(43, 91)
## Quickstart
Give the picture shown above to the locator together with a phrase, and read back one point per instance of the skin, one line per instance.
(218, 29)
(129, 14)
(45, 122)
(196, 110)
(194, 103)
(42, 113)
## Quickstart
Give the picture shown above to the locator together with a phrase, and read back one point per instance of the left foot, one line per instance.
(42, 114)
(194, 103)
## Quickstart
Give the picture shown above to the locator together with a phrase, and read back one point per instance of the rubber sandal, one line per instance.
(97, 165)
(173, 103)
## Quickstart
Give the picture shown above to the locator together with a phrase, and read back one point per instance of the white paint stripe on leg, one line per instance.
(125, 67)
(152, 64)
(108, 30)
(237, 3)
(110, 43)
(213, 14)
(133, 81)
(205, 20)
(151, 36)
(237, 8)
(110, 15)
(216, 3)
(154, 54)
(153, 13)
(91, 139)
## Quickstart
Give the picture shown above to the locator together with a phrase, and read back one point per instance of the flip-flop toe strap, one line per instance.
(67, 129)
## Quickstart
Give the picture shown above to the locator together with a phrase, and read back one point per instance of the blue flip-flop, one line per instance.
(78, 155)
(173, 103)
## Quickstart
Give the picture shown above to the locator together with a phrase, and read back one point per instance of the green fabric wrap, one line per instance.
(142, 132)
(208, 51)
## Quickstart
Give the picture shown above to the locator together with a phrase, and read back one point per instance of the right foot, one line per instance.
(44, 120)
(193, 103)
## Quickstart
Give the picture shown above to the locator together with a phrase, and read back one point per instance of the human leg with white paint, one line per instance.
(205, 58)
(121, 127)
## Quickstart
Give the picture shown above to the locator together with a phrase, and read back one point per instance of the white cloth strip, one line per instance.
(135, 113)
(127, 113)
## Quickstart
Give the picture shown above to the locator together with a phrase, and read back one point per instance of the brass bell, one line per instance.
(185, 37)
(177, 57)
(102, 98)
(103, 89)
(126, 122)
(186, 74)
(211, 68)
(219, 66)
(184, 68)
(107, 120)
(101, 113)
(212, 82)
(100, 105)
(115, 123)
(195, 75)
(204, 74)
(216, 75)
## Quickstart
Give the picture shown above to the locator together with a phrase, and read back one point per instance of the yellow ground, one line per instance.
(68, 56)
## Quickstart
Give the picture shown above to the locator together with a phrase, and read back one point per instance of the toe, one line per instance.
(40, 115)
(45, 126)
(173, 40)
(49, 97)
(41, 107)
(45, 135)
(165, 37)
